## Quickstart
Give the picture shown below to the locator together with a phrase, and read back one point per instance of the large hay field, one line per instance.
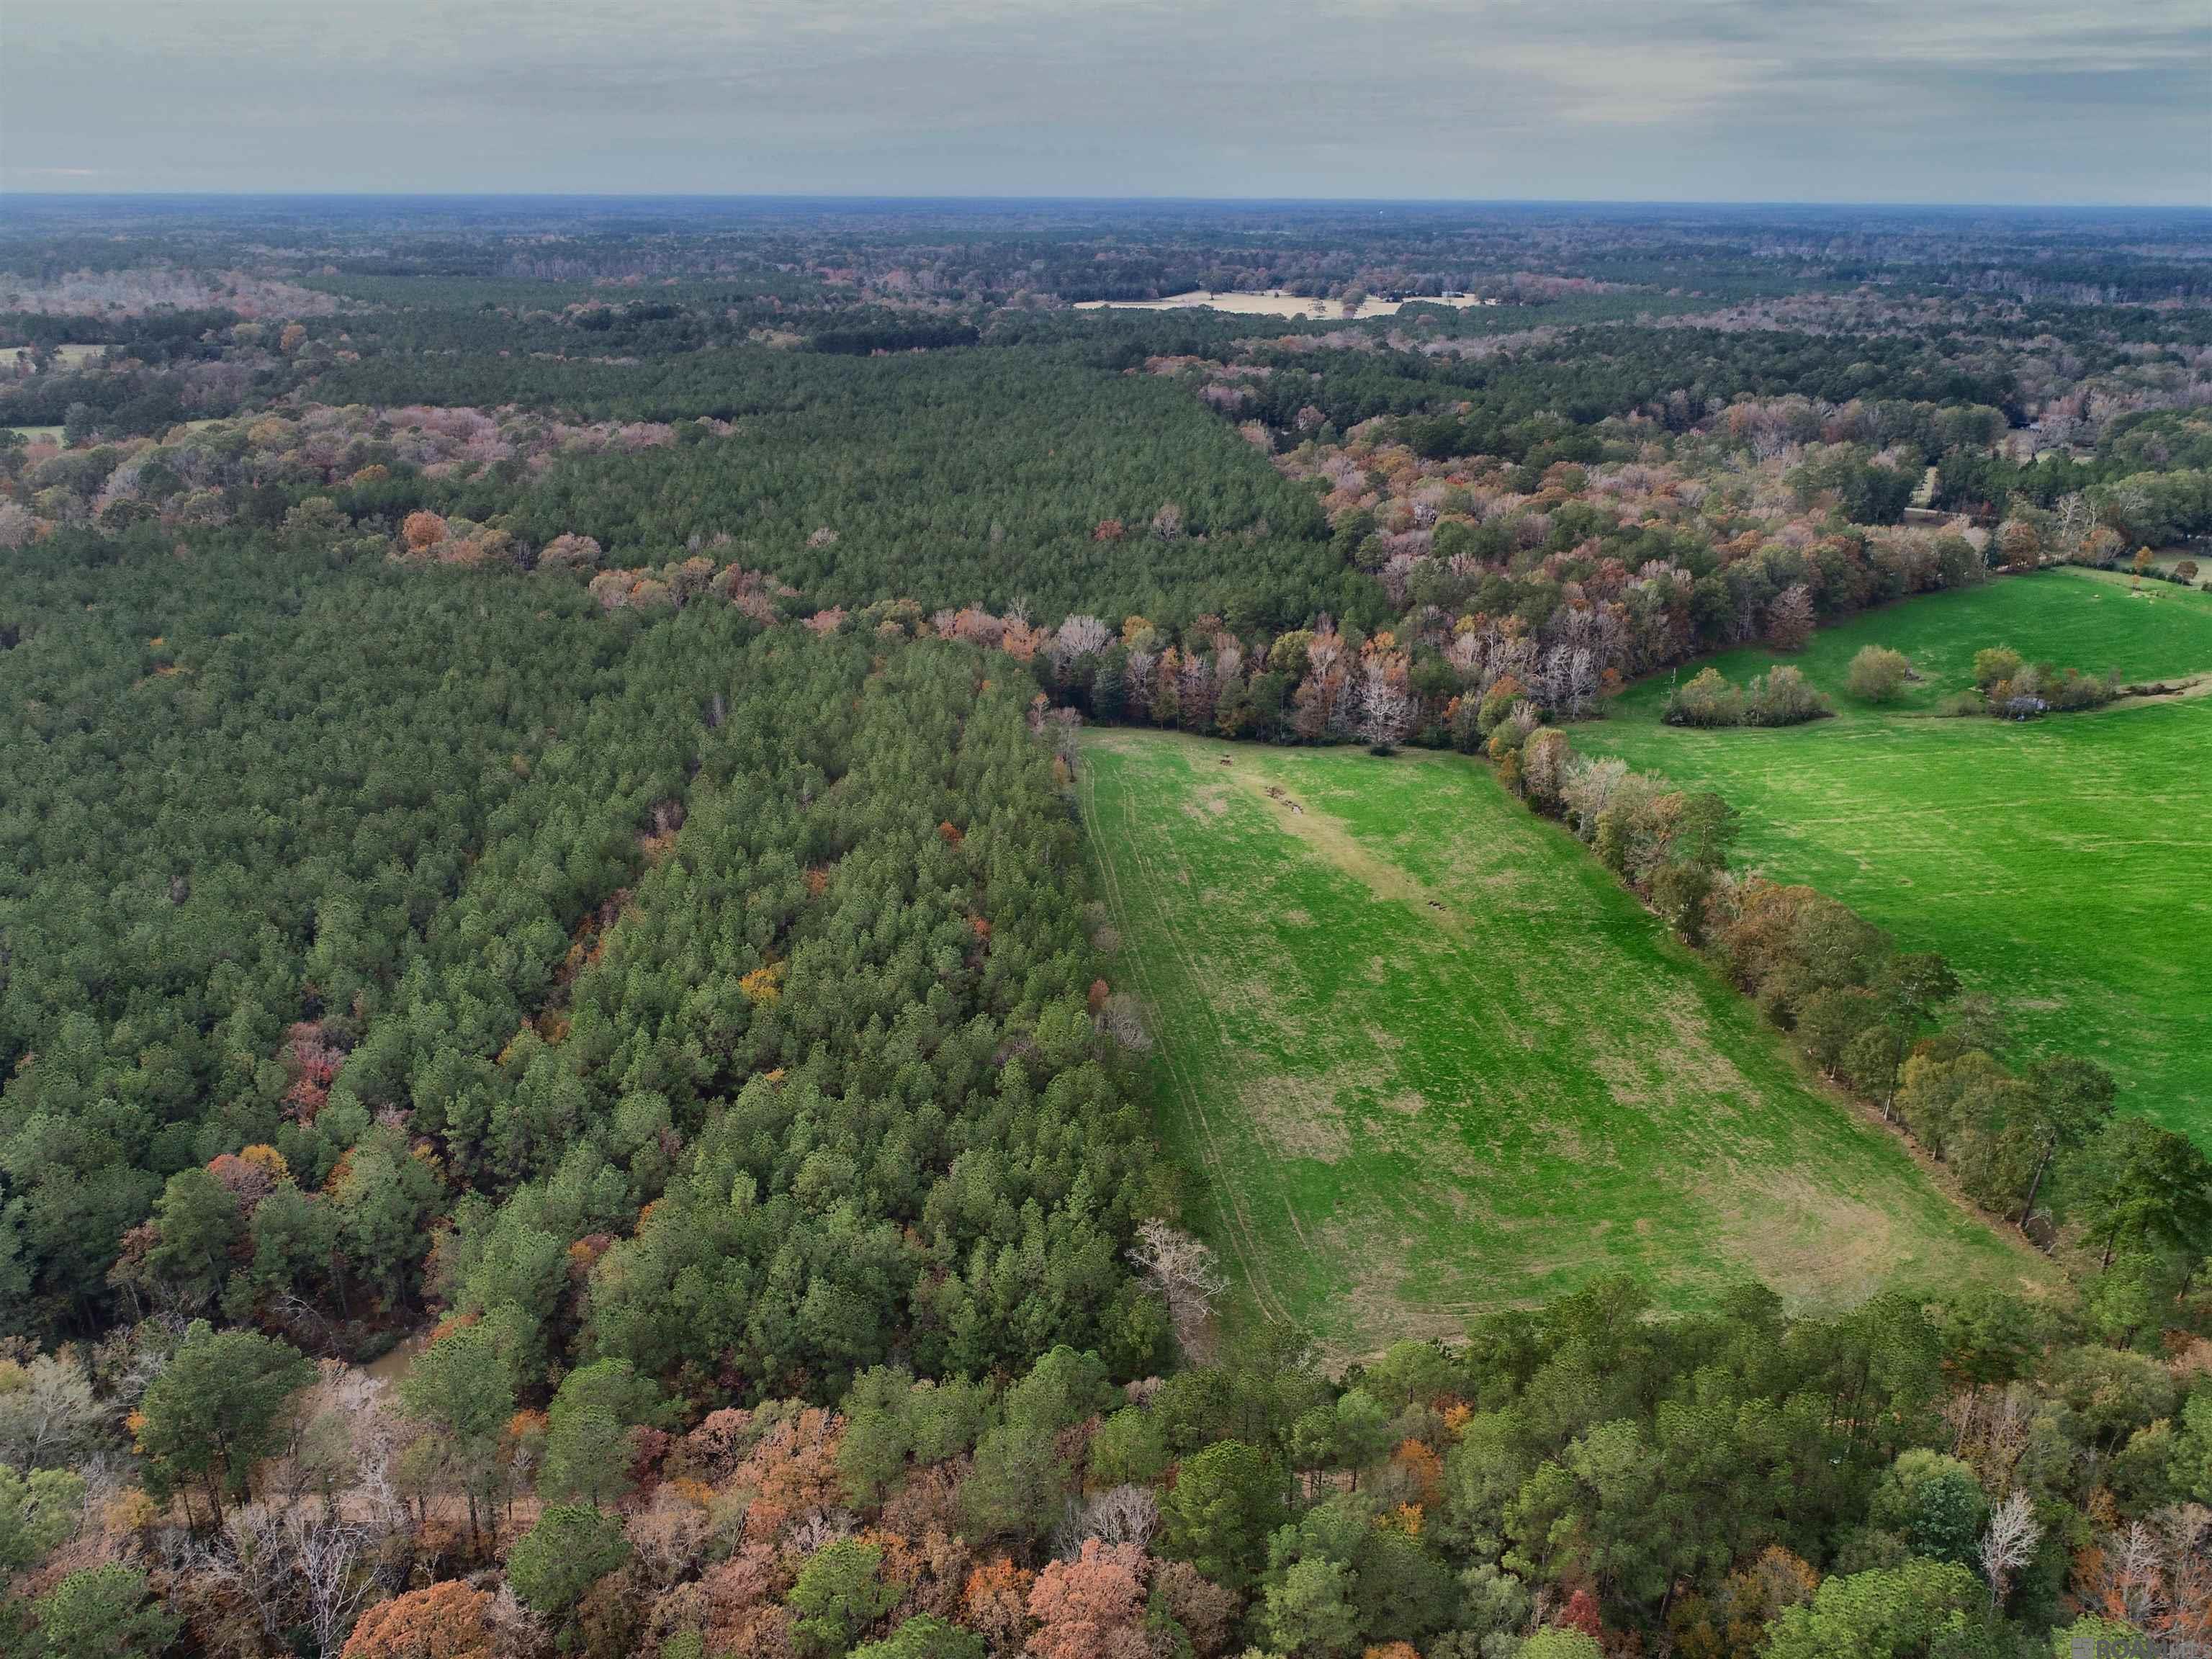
(2064, 866)
(1423, 1059)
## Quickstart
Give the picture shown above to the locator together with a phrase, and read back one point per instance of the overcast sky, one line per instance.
(1895, 100)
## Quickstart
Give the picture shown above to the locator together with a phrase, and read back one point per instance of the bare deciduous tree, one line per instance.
(671, 1535)
(45, 1410)
(1990, 1427)
(327, 1555)
(1186, 1274)
(821, 1528)
(1384, 705)
(1079, 637)
(379, 1436)
(292, 1564)
(2075, 521)
(1122, 1020)
(1120, 1515)
(2010, 1544)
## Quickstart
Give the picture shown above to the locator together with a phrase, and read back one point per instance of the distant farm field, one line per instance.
(1274, 303)
(2064, 866)
(1425, 1058)
(65, 356)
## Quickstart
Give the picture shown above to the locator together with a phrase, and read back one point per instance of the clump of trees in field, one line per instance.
(2008, 687)
(1878, 674)
(1781, 696)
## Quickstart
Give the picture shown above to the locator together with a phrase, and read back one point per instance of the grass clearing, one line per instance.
(1427, 1060)
(2064, 866)
(66, 357)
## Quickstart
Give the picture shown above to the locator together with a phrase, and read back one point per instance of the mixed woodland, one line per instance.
(565, 1089)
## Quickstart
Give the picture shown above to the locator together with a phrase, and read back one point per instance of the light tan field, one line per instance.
(65, 356)
(53, 433)
(1275, 303)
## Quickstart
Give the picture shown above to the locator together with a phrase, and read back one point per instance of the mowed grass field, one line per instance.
(2064, 866)
(1425, 1058)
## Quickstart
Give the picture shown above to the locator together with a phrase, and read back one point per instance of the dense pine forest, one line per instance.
(568, 1088)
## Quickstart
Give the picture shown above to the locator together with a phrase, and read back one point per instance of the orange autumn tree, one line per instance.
(423, 530)
(247, 1176)
(995, 1603)
(1423, 1469)
(743, 1599)
(793, 1473)
(1091, 1608)
(764, 986)
(446, 1620)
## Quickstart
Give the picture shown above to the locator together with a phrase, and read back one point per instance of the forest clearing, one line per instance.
(1469, 1070)
(2051, 860)
(1275, 304)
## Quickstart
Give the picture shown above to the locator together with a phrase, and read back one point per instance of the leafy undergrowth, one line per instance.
(1428, 1059)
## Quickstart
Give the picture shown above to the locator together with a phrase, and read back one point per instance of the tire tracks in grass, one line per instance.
(1577, 1144)
(1243, 1239)
(1195, 974)
(1213, 1149)
(1154, 883)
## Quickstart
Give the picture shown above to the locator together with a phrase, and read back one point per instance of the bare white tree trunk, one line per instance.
(327, 1557)
(2010, 1544)
(1184, 1270)
(1120, 1515)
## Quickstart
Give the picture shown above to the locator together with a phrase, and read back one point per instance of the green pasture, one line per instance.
(2064, 866)
(1423, 1057)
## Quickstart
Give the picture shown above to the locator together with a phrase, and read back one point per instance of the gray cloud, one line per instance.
(1709, 100)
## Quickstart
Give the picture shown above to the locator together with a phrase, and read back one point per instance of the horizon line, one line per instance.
(36, 193)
